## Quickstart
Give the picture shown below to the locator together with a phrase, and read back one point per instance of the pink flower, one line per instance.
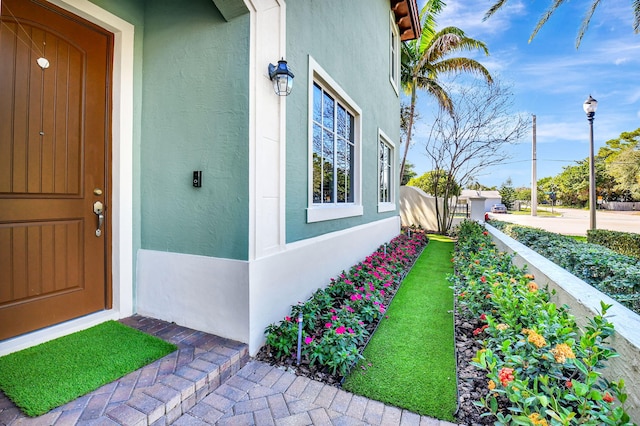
(308, 340)
(356, 296)
(349, 308)
(350, 330)
(381, 292)
(287, 319)
(386, 284)
(328, 325)
(334, 318)
(340, 330)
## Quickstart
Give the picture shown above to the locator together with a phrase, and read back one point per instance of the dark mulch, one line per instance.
(472, 383)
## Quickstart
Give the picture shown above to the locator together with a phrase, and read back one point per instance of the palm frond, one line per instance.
(636, 16)
(438, 92)
(493, 9)
(458, 65)
(428, 21)
(545, 17)
(585, 22)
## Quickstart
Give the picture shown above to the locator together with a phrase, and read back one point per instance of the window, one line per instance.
(394, 54)
(334, 148)
(386, 170)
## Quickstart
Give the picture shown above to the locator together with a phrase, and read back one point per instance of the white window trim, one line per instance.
(322, 212)
(394, 64)
(384, 206)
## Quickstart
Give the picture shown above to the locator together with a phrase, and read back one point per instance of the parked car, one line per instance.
(499, 208)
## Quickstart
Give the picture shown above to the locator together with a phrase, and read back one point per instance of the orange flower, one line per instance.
(536, 420)
(607, 397)
(529, 276)
(561, 352)
(491, 385)
(533, 287)
(536, 339)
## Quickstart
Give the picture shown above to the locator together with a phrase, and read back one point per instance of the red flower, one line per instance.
(485, 233)
(483, 317)
(607, 397)
(506, 376)
(483, 279)
(569, 384)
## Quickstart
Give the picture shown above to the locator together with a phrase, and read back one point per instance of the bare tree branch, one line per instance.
(473, 137)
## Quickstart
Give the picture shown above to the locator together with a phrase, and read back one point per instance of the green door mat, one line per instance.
(43, 377)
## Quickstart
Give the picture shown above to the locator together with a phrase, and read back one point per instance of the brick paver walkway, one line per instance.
(210, 381)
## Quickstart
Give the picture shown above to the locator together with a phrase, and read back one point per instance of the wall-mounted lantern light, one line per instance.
(282, 78)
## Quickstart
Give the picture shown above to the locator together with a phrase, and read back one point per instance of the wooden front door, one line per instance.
(55, 73)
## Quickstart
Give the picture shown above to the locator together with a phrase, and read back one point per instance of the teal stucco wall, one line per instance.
(350, 40)
(195, 94)
(191, 94)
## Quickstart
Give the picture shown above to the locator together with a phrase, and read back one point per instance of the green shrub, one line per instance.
(625, 243)
(541, 368)
(612, 273)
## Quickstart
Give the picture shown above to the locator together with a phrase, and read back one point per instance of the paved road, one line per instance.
(576, 222)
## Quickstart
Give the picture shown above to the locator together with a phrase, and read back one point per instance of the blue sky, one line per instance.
(551, 79)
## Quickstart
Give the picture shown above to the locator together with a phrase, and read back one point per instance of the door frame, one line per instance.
(121, 208)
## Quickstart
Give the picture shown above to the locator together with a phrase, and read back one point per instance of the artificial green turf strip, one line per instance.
(410, 360)
(46, 376)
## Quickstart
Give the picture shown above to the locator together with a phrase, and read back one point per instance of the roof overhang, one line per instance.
(407, 18)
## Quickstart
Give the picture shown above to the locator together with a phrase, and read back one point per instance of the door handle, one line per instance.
(98, 209)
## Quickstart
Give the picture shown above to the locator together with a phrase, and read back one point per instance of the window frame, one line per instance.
(387, 206)
(330, 211)
(394, 54)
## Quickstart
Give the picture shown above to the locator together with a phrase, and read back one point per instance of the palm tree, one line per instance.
(426, 59)
(635, 5)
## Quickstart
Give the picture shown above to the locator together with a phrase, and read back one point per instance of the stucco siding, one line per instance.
(194, 117)
(350, 41)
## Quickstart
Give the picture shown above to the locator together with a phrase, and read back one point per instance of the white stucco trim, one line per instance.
(122, 179)
(267, 130)
(284, 279)
(390, 206)
(204, 293)
(394, 63)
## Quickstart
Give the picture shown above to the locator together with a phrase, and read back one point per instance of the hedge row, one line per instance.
(612, 273)
(621, 242)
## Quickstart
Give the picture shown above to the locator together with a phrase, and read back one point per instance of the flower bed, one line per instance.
(540, 368)
(338, 320)
(612, 273)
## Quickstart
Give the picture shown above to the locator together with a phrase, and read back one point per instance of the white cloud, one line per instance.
(469, 16)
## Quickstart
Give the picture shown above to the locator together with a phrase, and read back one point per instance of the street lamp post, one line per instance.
(590, 106)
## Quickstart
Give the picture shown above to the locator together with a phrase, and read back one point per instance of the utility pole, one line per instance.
(534, 178)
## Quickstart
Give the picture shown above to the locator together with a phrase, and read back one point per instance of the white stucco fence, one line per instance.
(584, 301)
